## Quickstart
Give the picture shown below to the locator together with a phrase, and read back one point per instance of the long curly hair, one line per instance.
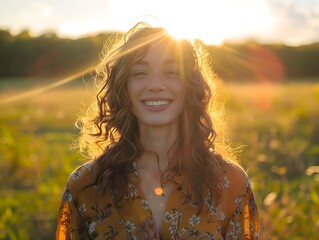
(109, 132)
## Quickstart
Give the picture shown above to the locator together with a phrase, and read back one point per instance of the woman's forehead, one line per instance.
(162, 49)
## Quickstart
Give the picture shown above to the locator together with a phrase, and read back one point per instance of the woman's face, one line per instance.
(155, 87)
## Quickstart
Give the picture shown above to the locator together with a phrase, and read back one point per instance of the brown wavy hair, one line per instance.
(109, 133)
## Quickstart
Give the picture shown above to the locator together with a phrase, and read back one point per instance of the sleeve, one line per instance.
(63, 228)
(69, 219)
(71, 224)
(244, 223)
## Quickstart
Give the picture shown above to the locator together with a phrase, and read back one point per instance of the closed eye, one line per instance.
(171, 70)
(140, 73)
(172, 73)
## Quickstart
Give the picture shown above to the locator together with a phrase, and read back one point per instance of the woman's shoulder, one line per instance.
(235, 180)
(81, 177)
(235, 187)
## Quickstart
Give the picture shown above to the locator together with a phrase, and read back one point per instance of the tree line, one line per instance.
(48, 55)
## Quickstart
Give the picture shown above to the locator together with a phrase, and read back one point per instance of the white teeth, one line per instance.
(156, 103)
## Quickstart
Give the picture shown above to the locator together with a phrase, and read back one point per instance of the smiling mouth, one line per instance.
(158, 103)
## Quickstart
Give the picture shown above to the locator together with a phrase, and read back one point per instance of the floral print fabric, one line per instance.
(82, 215)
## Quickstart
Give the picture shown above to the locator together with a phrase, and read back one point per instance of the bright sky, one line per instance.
(292, 22)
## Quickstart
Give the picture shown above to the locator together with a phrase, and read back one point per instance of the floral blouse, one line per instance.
(82, 215)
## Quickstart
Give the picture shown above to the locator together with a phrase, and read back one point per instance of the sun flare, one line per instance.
(207, 24)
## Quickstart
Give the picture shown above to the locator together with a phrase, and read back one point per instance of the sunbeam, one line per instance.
(37, 91)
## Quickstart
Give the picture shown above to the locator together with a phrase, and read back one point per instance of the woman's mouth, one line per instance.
(156, 105)
(153, 103)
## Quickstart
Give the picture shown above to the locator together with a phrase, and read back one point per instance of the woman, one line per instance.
(160, 170)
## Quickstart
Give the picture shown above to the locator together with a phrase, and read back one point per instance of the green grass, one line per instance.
(275, 125)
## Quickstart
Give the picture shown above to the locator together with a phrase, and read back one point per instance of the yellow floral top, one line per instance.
(84, 216)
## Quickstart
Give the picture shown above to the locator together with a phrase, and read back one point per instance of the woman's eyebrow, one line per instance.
(141, 62)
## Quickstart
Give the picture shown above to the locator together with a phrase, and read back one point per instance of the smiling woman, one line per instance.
(161, 170)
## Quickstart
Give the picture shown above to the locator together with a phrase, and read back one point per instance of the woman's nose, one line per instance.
(156, 83)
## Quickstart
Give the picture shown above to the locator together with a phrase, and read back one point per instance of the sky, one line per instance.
(292, 22)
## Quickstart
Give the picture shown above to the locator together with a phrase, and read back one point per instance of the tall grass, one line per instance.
(279, 125)
(275, 125)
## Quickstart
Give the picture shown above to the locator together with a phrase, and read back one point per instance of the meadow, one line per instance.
(274, 126)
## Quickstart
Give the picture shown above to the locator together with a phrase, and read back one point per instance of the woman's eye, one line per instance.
(172, 73)
(139, 73)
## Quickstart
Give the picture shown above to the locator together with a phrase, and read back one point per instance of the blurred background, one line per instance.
(265, 51)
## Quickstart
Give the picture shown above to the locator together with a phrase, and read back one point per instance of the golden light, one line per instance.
(191, 23)
(213, 21)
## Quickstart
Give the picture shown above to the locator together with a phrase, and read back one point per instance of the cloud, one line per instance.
(36, 16)
(295, 22)
(41, 9)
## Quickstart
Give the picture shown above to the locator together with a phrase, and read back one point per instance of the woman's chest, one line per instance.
(139, 216)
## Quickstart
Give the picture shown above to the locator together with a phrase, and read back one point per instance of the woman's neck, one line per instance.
(156, 141)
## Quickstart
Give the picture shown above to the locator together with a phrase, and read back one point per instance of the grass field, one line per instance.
(276, 127)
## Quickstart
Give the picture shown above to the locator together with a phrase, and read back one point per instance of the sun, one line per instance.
(213, 22)
(195, 20)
